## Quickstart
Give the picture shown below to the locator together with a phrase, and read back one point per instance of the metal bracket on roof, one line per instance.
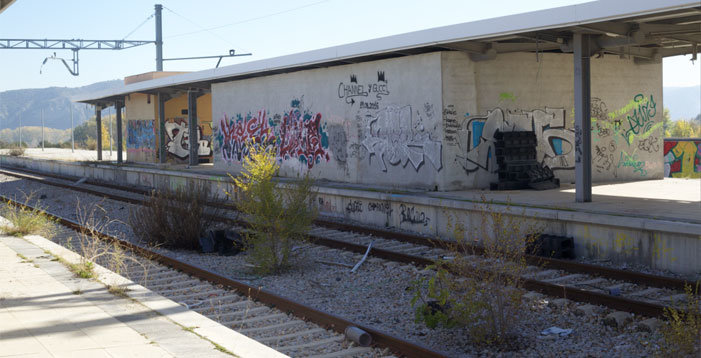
(489, 53)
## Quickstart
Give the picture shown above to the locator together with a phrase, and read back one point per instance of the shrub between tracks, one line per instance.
(278, 217)
(485, 296)
(682, 330)
(174, 218)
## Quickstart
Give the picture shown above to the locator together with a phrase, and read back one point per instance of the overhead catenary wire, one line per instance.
(203, 29)
(250, 19)
(139, 26)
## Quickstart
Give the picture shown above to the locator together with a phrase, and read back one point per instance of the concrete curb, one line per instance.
(232, 341)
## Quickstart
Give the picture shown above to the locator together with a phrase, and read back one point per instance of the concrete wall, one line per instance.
(516, 92)
(177, 131)
(657, 243)
(682, 157)
(142, 128)
(427, 121)
(372, 123)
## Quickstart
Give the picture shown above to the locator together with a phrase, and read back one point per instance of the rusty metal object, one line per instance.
(638, 307)
(326, 320)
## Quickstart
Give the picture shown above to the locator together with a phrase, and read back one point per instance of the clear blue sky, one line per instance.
(265, 28)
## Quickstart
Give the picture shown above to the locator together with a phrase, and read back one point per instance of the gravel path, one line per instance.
(377, 294)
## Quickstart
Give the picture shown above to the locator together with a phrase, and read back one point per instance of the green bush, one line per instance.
(278, 217)
(483, 295)
(174, 218)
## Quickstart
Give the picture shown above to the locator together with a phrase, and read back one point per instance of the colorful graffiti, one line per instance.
(178, 139)
(298, 133)
(632, 161)
(141, 136)
(392, 137)
(682, 158)
(476, 138)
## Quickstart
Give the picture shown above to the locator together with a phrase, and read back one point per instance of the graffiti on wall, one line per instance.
(475, 137)
(682, 158)
(178, 139)
(367, 93)
(297, 133)
(141, 136)
(393, 138)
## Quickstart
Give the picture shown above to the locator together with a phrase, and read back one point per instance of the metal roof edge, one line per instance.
(558, 17)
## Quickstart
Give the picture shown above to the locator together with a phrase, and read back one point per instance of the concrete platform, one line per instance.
(656, 223)
(45, 311)
(67, 154)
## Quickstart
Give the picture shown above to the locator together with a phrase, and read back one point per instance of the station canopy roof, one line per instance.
(646, 30)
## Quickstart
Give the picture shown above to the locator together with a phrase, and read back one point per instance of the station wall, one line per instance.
(682, 157)
(141, 131)
(427, 121)
(373, 123)
(517, 92)
(142, 128)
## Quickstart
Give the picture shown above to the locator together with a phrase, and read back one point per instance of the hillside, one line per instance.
(683, 102)
(55, 101)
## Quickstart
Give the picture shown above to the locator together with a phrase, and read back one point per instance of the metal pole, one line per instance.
(161, 128)
(72, 136)
(42, 129)
(159, 39)
(110, 132)
(582, 118)
(193, 127)
(98, 120)
(20, 131)
(118, 112)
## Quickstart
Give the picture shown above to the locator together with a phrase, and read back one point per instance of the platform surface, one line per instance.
(45, 311)
(670, 199)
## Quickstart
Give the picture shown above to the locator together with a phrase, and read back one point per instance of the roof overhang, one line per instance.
(646, 30)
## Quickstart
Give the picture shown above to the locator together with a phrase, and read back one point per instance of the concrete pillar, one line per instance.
(582, 118)
(161, 128)
(192, 126)
(118, 110)
(98, 120)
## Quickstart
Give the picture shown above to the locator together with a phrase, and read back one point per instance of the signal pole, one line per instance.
(72, 136)
(42, 129)
(159, 38)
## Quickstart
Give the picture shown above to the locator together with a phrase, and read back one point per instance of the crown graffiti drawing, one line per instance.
(381, 76)
(354, 78)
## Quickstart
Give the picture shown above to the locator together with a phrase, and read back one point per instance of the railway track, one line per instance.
(283, 324)
(622, 290)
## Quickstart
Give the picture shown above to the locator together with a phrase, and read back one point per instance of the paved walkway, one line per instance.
(45, 311)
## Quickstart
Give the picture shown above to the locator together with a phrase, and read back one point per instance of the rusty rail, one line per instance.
(324, 319)
(615, 302)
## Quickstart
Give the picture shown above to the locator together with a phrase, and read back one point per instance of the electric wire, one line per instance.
(138, 27)
(200, 26)
(250, 20)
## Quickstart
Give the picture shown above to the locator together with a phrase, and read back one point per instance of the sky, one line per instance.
(266, 28)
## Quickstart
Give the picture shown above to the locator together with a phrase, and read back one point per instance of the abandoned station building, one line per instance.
(425, 110)
(421, 109)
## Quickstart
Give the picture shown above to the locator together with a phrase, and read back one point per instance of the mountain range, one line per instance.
(27, 104)
(683, 103)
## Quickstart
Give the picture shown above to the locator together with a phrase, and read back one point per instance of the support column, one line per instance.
(161, 128)
(582, 118)
(192, 126)
(118, 110)
(98, 120)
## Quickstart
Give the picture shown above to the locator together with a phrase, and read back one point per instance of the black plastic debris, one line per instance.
(558, 247)
(518, 167)
(224, 242)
